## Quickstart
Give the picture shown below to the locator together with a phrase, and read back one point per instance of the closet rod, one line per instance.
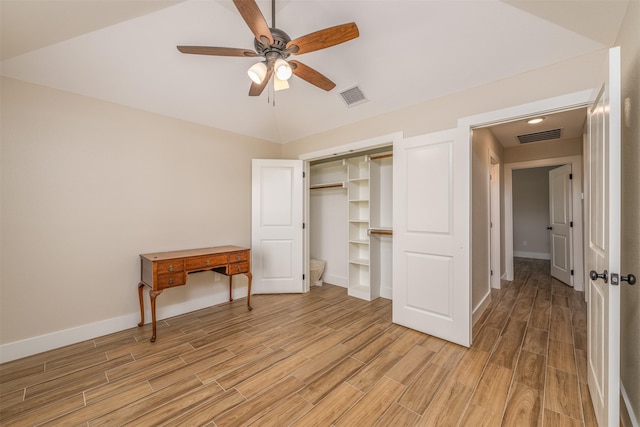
(381, 232)
(320, 187)
(381, 156)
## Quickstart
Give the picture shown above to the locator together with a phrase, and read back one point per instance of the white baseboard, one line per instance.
(386, 293)
(628, 408)
(30, 346)
(335, 280)
(534, 255)
(477, 312)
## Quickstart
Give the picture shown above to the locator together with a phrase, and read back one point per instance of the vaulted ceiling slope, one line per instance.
(408, 52)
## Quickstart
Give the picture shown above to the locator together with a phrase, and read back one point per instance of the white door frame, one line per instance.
(576, 167)
(546, 107)
(494, 220)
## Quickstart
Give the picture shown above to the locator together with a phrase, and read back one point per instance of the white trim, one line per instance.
(495, 262)
(335, 280)
(577, 237)
(532, 255)
(367, 144)
(628, 406)
(477, 313)
(27, 347)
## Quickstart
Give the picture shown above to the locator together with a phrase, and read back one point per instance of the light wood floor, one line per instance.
(322, 359)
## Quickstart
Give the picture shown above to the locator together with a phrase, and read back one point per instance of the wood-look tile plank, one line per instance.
(397, 416)
(186, 402)
(581, 365)
(220, 368)
(424, 388)
(134, 409)
(587, 406)
(540, 314)
(290, 409)
(210, 408)
(330, 379)
(263, 380)
(486, 339)
(562, 393)
(535, 341)
(370, 374)
(560, 328)
(469, 370)
(310, 371)
(492, 390)
(554, 419)
(413, 362)
(524, 407)
(249, 411)
(531, 370)
(448, 406)
(244, 372)
(448, 356)
(477, 416)
(41, 414)
(331, 407)
(371, 407)
(561, 356)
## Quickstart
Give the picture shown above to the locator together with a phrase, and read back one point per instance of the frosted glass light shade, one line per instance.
(257, 72)
(283, 69)
(279, 84)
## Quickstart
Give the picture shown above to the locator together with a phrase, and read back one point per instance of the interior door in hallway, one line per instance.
(561, 221)
(277, 226)
(603, 252)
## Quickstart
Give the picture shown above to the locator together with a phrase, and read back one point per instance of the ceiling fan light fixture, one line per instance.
(283, 69)
(279, 84)
(258, 72)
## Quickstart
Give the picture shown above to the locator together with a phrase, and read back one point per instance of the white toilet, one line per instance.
(316, 268)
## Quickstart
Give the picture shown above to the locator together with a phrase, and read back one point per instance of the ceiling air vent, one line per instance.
(540, 136)
(353, 96)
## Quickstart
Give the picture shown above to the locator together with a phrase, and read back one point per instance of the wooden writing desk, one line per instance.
(163, 270)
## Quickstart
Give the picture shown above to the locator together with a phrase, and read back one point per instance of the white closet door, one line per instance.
(431, 285)
(561, 218)
(276, 231)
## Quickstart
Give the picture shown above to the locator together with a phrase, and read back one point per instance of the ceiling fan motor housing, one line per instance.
(277, 49)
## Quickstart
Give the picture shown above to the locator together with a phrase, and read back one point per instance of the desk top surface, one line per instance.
(159, 256)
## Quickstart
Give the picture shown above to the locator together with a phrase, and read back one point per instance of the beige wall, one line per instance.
(629, 41)
(543, 150)
(483, 142)
(530, 198)
(88, 185)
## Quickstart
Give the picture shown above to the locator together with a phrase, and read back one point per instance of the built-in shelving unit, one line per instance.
(358, 191)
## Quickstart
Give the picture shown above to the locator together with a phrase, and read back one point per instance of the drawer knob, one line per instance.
(208, 262)
(171, 280)
(171, 267)
(237, 257)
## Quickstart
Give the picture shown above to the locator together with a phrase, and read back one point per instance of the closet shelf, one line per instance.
(359, 261)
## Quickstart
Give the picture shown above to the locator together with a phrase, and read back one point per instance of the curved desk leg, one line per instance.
(153, 294)
(140, 286)
(248, 274)
(230, 288)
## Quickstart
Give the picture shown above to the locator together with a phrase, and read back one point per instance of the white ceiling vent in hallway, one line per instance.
(353, 96)
(540, 136)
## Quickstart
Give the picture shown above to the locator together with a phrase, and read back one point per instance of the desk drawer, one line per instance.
(239, 256)
(171, 266)
(205, 262)
(241, 267)
(170, 280)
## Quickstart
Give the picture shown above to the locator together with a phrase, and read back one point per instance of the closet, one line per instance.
(350, 220)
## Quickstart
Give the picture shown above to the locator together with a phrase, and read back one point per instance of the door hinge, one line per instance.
(570, 176)
(304, 174)
(302, 276)
(303, 225)
(572, 272)
(571, 224)
(491, 272)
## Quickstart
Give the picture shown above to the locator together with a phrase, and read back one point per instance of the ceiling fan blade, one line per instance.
(255, 20)
(217, 51)
(256, 89)
(323, 38)
(312, 76)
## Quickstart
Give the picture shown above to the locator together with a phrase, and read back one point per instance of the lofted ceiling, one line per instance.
(408, 52)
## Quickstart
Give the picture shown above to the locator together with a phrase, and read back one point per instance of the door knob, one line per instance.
(631, 279)
(549, 228)
(595, 276)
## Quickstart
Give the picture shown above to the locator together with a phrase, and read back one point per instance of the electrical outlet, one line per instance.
(525, 243)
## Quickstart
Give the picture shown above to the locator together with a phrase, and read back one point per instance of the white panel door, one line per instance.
(276, 226)
(561, 217)
(431, 236)
(603, 252)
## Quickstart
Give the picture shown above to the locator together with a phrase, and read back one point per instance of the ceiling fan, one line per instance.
(275, 46)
